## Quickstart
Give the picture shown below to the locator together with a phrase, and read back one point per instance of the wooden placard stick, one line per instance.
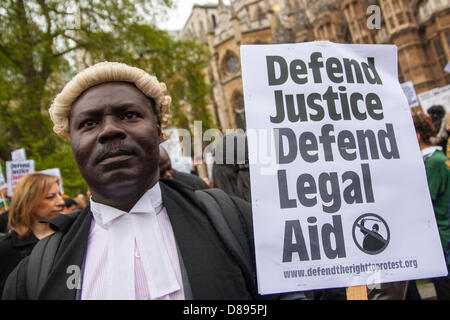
(357, 293)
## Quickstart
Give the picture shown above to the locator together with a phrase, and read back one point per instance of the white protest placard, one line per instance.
(172, 144)
(57, 173)
(2, 179)
(18, 155)
(447, 67)
(410, 93)
(436, 96)
(175, 148)
(339, 190)
(209, 161)
(182, 164)
(15, 171)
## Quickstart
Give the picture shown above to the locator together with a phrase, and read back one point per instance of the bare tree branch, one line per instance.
(59, 54)
(46, 12)
(9, 56)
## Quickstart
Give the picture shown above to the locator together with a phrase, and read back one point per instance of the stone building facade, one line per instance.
(419, 28)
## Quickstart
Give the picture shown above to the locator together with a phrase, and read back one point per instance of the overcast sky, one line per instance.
(178, 17)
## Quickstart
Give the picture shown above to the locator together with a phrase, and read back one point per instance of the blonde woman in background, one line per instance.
(37, 197)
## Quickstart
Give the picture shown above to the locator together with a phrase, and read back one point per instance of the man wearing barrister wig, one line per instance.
(140, 237)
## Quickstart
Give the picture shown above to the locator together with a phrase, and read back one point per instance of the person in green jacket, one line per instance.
(438, 177)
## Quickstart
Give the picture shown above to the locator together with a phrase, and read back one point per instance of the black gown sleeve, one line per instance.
(16, 283)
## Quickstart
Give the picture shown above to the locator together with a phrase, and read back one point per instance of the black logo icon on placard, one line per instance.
(371, 233)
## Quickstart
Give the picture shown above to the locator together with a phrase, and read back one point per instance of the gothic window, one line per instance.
(440, 53)
(259, 14)
(441, 58)
(407, 16)
(231, 63)
(327, 31)
(240, 120)
(201, 30)
(396, 5)
(214, 22)
(400, 19)
(391, 22)
(255, 14)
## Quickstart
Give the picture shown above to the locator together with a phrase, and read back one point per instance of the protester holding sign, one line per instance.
(438, 176)
(36, 197)
(230, 168)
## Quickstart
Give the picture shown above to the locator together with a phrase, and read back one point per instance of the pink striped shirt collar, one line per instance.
(104, 214)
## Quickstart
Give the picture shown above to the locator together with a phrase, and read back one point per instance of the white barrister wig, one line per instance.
(107, 72)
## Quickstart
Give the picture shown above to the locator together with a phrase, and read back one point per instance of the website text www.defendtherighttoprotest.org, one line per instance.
(356, 269)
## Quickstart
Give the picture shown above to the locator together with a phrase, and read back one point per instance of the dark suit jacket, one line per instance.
(211, 270)
(12, 251)
(4, 222)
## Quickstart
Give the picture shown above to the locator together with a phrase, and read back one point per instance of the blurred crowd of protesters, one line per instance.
(37, 198)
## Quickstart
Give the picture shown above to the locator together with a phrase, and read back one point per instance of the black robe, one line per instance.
(12, 250)
(211, 270)
(192, 180)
